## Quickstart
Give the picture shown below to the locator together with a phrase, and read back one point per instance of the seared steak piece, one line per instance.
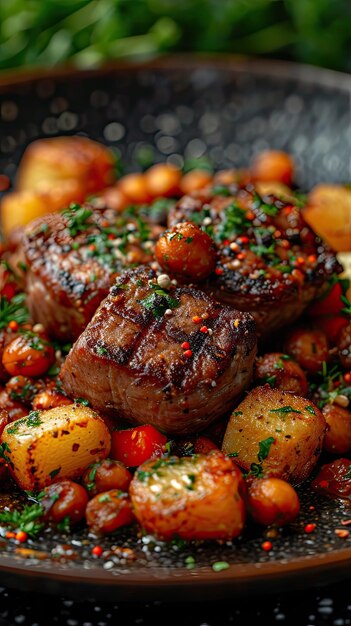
(73, 257)
(176, 359)
(270, 262)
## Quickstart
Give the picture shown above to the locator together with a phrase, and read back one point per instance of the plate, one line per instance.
(183, 108)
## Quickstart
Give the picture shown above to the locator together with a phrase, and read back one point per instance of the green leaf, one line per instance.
(264, 448)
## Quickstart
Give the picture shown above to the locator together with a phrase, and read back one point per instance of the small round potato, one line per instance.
(337, 438)
(281, 372)
(272, 501)
(295, 424)
(308, 347)
(197, 497)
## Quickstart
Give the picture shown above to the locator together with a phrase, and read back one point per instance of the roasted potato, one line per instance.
(108, 511)
(55, 444)
(308, 347)
(196, 497)
(61, 158)
(21, 207)
(272, 501)
(337, 438)
(328, 212)
(294, 423)
(281, 372)
(273, 165)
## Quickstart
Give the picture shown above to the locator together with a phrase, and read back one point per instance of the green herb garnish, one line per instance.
(13, 310)
(25, 520)
(284, 409)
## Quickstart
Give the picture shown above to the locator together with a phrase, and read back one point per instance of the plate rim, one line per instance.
(311, 74)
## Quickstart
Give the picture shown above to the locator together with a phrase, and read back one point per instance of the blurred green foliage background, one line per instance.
(89, 32)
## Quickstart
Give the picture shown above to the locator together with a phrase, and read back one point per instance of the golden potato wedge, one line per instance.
(190, 497)
(59, 443)
(21, 207)
(296, 425)
(328, 212)
(59, 158)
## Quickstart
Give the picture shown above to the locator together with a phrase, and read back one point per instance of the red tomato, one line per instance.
(331, 304)
(29, 354)
(134, 446)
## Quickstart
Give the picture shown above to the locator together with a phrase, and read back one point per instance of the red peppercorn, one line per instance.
(197, 319)
(250, 216)
(10, 534)
(219, 271)
(21, 536)
(111, 236)
(13, 325)
(310, 528)
(323, 484)
(97, 551)
(92, 247)
(243, 239)
(342, 533)
(241, 256)
(347, 377)
(204, 329)
(312, 258)
(185, 345)
(267, 546)
(188, 354)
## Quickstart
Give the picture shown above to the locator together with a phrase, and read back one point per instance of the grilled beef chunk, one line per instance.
(270, 262)
(73, 257)
(176, 359)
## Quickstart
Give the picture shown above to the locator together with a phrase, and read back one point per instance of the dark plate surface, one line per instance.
(183, 108)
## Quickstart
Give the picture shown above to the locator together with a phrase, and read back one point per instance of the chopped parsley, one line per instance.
(33, 419)
(26, 520)
(4, 449)
(285, 409)
(219, 566)
(78, 217)
(64, 526)
(54, 473)
(234, 222)
(159, 301)
(220, 190)
(310, 409)
(256, 469)
(13, 310)
(101, 350)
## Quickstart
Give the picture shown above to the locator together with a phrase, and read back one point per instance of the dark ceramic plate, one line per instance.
(176, 109)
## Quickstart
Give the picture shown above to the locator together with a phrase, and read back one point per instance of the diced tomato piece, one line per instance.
(331, 325)
(331, 304)
(134, 446)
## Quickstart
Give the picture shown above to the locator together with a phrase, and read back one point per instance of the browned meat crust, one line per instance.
(73, 258)
(270, 262)
(133, 360)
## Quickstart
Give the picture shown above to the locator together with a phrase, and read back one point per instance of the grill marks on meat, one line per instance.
(270, 262)
(129, 362)
(74, 257)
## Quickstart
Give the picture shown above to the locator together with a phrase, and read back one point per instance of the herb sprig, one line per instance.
(26, 520)
(13, 310)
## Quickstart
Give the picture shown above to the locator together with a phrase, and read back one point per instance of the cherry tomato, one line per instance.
(136, 445)
(337, 438)
(108, 511)
(106, 475)
(308, 347)
(272, 501)
(194, 180)
(29, 354)
(64, 499)
(134, 188)
(186, 251)
(115, 198)
(163, 180)
(334, 479)
(330, 304)
(273, 165)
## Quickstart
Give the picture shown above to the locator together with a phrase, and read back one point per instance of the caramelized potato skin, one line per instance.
(272, 501)
(71, 157)
(328, 212)
(191, 497)
(337, 438)
(296, 425)
(284, 373)
(273, 165)
(106, 475)
(55, 444)
(64, 498)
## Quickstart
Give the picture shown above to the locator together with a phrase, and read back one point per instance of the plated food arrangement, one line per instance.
(175, 348)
